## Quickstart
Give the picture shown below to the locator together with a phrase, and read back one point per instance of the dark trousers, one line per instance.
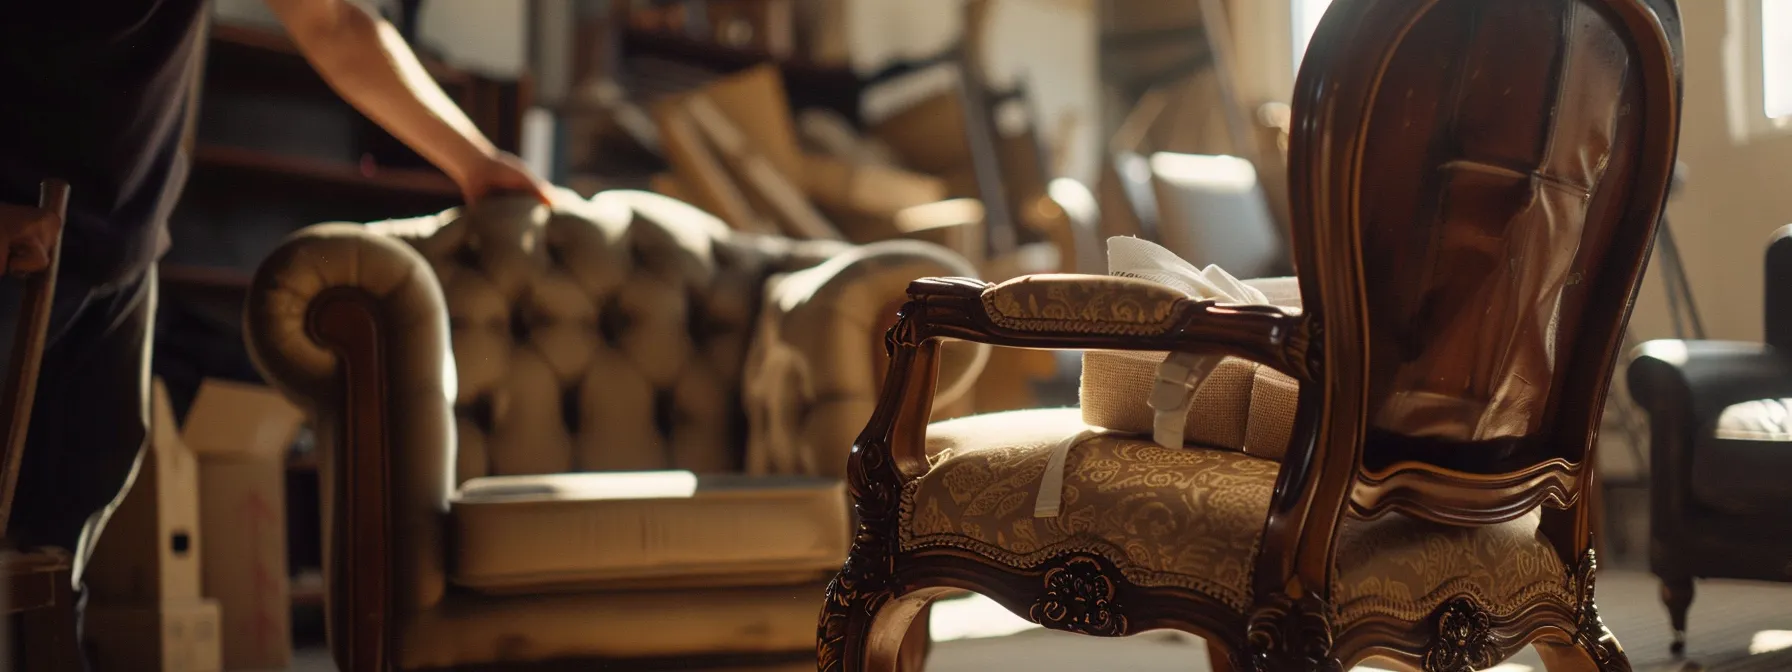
(91, 417)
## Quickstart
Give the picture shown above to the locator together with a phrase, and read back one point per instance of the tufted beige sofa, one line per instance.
(610, 429)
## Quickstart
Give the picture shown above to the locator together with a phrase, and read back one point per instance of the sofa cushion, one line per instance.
(544, 533)
(1741, 469)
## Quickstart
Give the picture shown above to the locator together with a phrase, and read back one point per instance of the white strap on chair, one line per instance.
(1178, 377)
(1051, 486)
(1180, 374)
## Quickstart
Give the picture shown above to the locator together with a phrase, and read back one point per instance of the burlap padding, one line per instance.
(1242, 406)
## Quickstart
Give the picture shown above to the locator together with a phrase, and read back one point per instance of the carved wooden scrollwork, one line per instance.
(1590, 631)
(1289, 634)
(1079, 597)
(1463, 641)
(863, 585)
(1313, 351)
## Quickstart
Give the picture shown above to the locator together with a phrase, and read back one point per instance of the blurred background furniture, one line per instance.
(478, 378)
(1720, 437)
(1425, 495)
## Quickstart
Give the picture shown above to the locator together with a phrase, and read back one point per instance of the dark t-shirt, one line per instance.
(95, 92)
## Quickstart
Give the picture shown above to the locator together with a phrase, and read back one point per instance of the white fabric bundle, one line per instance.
(1180, 375)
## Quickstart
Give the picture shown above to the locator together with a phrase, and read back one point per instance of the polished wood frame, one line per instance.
(1325, 475)
(347, 322)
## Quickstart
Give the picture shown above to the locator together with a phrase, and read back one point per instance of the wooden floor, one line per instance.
(1726, 619)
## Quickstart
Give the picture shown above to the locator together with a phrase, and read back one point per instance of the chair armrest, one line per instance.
(1063, 311)
(351, 325)
(818, 357)
(1699, 379)
(1088, 312)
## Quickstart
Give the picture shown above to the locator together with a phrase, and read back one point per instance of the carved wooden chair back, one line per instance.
(1476, 187)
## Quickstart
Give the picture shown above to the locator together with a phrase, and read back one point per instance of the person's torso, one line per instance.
(95, 92)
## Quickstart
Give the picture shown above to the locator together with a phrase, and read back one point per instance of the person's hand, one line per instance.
(502, 173)
(26, 234)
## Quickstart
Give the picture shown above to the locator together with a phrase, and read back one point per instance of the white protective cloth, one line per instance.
(1180, 375)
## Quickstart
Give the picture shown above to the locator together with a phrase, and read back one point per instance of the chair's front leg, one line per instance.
(866, 618)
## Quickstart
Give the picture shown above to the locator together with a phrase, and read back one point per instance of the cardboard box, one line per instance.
(872, 190)
(770, 189)
(179, 636)
(241, 434)
(150, 551)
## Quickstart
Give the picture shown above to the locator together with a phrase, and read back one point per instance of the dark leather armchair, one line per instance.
(1720, 423)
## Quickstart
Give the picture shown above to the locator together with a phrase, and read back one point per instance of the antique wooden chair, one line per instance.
(1476, 185)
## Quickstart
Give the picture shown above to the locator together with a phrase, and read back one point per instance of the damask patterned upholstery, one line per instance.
(1192, 518)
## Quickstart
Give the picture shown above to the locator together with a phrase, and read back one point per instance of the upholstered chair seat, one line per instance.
(1191, 518)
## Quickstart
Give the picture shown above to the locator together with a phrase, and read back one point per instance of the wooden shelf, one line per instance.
(680, 47)
(202, 276)
(274, 42)
(403, 180)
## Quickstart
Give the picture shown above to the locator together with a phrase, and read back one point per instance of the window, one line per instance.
(1758, 68)
(1776, 61)
(1306, 19)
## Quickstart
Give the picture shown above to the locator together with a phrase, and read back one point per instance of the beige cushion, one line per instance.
(1241, 406)
(543, 533)
(1760, 420)
(1742, 472)
(1192, 518)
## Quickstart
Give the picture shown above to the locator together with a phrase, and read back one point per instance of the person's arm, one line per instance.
(365, 60)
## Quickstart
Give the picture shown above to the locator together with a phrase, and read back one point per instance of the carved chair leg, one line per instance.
(845, 630)
(1583, 655)
(1592, 647)
(1677, 594)
(915, 647)
(1222, 658)
(869, 631)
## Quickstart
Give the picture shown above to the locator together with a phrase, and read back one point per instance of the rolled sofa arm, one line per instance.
(1702, 378)
(351, 325)
(818, 361)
